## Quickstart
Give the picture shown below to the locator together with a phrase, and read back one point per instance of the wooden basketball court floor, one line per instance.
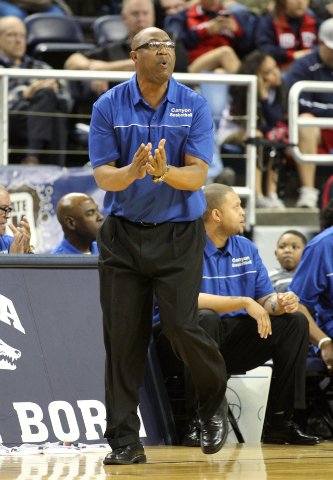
(233, 462)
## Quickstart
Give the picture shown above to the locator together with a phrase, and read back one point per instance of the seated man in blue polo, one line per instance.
(80, 220)
(248, 320)
(20, 241)
(313, 283)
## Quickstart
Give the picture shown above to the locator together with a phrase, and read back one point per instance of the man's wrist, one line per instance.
(324, 341)
(162, 177)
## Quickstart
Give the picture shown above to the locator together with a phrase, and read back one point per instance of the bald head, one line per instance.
(215, 195)
(12, 38)
(80, 220)
(145, 35)
(70, 204)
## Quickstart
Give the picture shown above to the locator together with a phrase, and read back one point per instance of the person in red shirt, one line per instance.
(288, 34)
(209, 33)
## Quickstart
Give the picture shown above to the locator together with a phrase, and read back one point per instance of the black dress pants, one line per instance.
(243, 349)
(136, 261)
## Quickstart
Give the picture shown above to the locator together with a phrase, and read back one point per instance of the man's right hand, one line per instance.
(34, 87)
(261, 316)
(326, 352)
(138, 167)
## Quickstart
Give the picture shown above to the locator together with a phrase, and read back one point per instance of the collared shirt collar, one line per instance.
(210, 248)
(8, 63)
(136, 95)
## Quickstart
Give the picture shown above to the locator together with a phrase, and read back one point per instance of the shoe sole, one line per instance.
(191, 444)
(138, 459)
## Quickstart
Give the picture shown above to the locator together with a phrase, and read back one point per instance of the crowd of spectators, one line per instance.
(280, 41)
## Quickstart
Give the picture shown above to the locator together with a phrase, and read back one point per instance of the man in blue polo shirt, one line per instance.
(80, 220)
(151, 141)
(313, 283)
(20, 241)
(248, 320)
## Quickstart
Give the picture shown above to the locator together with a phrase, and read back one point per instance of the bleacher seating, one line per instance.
(109, 28)
(52, 38)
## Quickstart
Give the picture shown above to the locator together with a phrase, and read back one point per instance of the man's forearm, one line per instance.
(77, 61)
(222, 304)
(190, 177)
(110, 178)
(315, 332)
(120, 65)
(271, 305)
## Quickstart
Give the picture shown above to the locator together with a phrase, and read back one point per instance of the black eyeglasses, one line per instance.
(157, 45)
(7, 210)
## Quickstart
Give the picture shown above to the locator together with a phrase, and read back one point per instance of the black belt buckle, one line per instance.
(145, 224)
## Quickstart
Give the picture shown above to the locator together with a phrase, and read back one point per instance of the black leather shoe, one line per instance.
(213, 433)
(133, 453)
(288, 432)
(191, 437)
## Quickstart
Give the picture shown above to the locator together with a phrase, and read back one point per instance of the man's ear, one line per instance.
(216, 214)
(69, 222)
(133, 56)
(275, 253)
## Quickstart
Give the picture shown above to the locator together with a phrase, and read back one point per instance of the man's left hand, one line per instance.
(288, 301)
(158, 163)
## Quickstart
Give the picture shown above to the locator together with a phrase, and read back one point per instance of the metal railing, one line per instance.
(250, 81)
(295, 121)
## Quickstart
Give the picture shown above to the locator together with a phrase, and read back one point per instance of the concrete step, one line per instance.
(293, 217)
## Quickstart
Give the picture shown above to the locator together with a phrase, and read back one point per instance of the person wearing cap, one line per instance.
(317, 66)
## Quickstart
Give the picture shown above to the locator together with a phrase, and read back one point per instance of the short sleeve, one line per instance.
(103, 144)
(200, 142)
(310, 278)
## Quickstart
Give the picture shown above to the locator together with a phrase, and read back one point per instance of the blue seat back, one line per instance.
(45, 27)
(109, 28)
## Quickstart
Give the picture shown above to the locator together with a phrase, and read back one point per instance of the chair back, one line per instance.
(45, 27)
(109, 28)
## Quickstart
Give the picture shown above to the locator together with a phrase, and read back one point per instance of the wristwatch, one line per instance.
(162, 177)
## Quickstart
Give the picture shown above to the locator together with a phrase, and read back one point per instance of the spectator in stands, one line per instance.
(30, 95)
(163, 8)
(317, 66)
(20, 241)
(249, 321)
(258, 8)
(289, 34)
(322, 8)
(23, 8)
(137, 15)
(288, 253)
(313, 283)
(80, 220)
(271, 113)
(209, 33)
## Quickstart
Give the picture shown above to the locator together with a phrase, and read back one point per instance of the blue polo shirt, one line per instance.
(235, 270)
(122, 121)
(5, 243)
(313, 279)
(66, 247)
